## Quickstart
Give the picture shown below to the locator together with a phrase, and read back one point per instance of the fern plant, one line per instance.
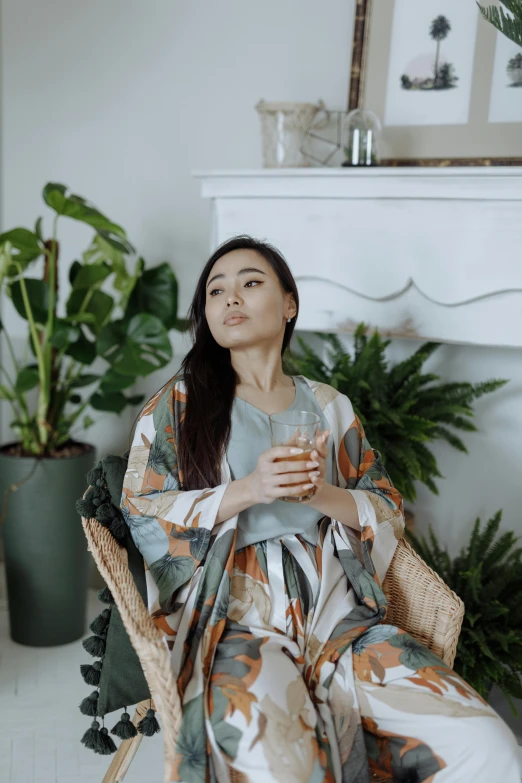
(487, 576)
(401, 409)
(510, 26)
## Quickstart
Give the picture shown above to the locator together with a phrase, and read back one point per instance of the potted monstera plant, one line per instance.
(78, 358)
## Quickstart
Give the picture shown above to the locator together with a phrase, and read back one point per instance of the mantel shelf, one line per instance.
(417, 252)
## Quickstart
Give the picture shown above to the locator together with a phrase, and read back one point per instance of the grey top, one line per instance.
(250, 435)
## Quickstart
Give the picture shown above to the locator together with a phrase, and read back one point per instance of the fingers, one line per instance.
(321, 447)
(276, 468)
(295, 489)
(292, 478)
(280, 452)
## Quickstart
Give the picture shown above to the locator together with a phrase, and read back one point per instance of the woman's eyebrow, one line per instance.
(241, 272)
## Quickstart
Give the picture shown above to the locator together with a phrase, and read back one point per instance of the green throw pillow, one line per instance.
(117, 674)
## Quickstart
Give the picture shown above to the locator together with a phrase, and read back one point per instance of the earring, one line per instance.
(288, 320)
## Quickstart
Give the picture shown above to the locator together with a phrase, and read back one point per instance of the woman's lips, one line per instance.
(236, 320)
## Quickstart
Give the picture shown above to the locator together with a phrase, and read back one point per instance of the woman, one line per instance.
(273, 611)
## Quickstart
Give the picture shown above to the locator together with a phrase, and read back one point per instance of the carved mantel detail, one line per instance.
(425, 253)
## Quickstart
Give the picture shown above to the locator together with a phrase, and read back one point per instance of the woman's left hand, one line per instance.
(319, 454)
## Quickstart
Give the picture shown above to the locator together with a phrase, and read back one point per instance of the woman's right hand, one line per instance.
(269, 475)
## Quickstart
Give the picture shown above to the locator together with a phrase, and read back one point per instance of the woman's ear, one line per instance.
(292, 307)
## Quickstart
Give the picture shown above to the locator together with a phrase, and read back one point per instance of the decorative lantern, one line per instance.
(361, 133)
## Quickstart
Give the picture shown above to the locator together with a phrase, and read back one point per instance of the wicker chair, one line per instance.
(419, 602)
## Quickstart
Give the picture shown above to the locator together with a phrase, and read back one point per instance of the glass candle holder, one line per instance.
(361, 136)
(283, 127)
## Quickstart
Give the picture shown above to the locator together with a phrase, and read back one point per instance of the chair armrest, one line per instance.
(422, 604)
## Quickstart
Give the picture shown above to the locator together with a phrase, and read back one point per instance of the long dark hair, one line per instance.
(210, 379)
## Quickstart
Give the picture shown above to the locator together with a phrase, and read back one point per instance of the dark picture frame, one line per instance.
(358, 89)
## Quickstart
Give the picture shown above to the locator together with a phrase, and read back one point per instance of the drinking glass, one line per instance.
(295, 428)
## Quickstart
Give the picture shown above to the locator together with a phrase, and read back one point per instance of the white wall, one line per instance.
(121, 100)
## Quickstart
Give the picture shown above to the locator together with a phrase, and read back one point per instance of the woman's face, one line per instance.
(242, 283)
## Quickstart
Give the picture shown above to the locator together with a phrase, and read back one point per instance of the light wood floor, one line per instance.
(40, 723)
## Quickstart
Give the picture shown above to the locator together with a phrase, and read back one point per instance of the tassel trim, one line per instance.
(98, 740)
(91, 674)
(125, 728)
(105, 596)
(99, 624)
(89, 706)
(148, 726)
(95, 645)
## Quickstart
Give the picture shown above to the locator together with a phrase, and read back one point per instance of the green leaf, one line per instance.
(510, 26)
(89, 276)
(38, 229)
(25, 245)
(87, 422)
(77, 208)
(183, 324)
(155, 292)
(137, 348)
(38, 295)
(114, 381)
(27, 379)
(80, 318)
(73, 271)
(99, 307)
(84, 380)
(64, 334)
(83, 350)
(114, 402)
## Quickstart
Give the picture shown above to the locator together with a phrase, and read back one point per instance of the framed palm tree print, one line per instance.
(445, 84)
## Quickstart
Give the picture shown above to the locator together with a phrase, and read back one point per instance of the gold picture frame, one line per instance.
(475, 143)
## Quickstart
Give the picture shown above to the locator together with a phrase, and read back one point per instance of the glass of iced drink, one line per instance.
(295, 428)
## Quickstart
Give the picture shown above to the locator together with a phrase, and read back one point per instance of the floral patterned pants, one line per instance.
(288, 703)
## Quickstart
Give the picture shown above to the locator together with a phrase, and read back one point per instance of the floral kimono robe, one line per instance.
(268, 643)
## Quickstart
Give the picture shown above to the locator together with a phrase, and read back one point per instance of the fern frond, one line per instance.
(487, 575)
(402, 409)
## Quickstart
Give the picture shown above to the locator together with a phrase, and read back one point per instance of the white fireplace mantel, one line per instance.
(422, 252)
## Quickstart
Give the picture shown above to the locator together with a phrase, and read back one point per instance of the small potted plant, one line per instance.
(402, 410)
(113, 328)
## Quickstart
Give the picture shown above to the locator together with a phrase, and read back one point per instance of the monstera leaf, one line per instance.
(137, 347)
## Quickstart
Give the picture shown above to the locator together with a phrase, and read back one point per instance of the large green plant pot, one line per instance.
(45, 549)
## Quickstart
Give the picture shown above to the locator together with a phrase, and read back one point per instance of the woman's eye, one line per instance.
(215, 290)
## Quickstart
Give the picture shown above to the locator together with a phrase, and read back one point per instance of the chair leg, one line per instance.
(121, 761)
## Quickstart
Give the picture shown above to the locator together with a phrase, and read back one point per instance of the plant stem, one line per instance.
(19, 397)
(50, 311)
(11, 384)
(11, 351)
(43, 400)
